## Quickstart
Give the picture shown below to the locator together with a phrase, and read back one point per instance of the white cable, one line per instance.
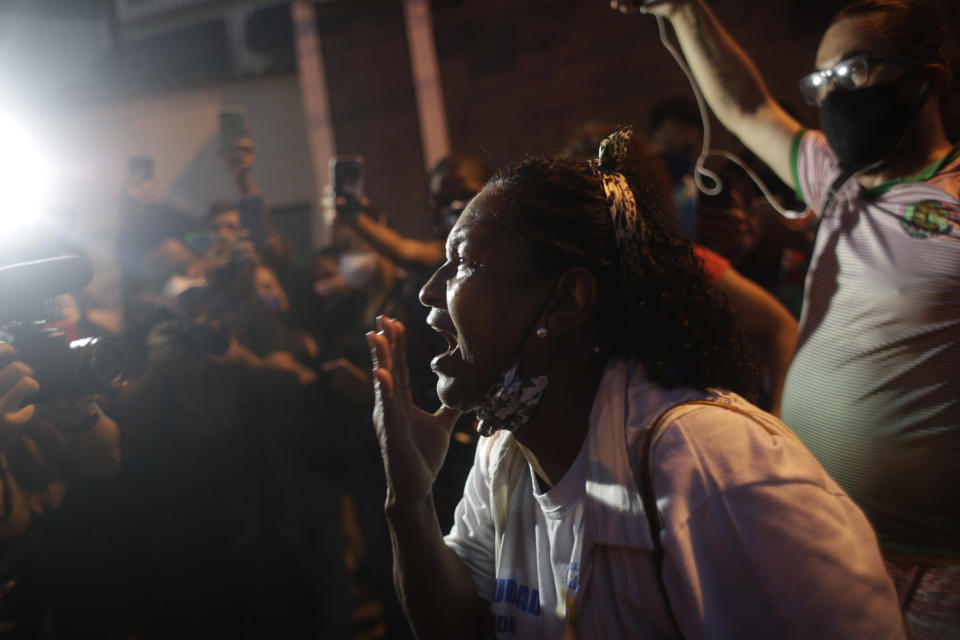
(699, 170)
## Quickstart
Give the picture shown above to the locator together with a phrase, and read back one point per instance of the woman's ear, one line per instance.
(575, 300)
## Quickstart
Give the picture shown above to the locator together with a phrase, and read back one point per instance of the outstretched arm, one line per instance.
(240, 166)
(730, 82)
(406, 252)
(436, 589)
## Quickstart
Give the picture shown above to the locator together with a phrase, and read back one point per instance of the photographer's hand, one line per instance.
(76, 434)
(17, 388)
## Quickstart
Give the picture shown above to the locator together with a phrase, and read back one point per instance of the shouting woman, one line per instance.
(621, 475)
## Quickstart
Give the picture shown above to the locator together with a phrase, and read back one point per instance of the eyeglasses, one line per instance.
(849, 74)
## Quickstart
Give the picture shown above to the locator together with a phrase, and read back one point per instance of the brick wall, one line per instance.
(520, 75)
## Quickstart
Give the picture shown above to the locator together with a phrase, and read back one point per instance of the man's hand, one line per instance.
(17, 389)
(145, 191)
(728, 80)
(656, 7)
(347, 208)
(240, 163)
(413, 443)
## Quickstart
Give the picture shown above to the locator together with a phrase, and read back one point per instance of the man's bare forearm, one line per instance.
(436, 589)
(728, 78)
(733, 87)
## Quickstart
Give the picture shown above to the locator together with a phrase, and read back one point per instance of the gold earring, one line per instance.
(542, 332)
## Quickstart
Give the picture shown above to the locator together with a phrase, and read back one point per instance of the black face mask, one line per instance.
(867, 126)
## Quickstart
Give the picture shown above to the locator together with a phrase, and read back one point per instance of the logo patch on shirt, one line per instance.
(930, 218)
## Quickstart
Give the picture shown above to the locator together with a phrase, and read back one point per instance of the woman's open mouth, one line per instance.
(452, 347)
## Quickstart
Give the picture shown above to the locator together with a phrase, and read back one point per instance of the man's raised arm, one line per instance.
(730, 82)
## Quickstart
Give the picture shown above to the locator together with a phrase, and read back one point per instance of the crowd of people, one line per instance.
(238, 485)
(592, 412)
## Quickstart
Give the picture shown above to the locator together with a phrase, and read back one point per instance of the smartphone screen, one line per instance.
(346, 176)
(253, 218)
(232, 128)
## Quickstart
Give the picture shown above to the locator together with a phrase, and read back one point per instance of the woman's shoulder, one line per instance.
(722, 445)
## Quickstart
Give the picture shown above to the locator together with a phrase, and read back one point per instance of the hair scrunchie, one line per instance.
(627, 224)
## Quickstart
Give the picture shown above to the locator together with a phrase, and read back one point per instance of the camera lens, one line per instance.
(100, 362)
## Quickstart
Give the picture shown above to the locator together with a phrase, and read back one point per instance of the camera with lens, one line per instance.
(63, 369)
(83, 367)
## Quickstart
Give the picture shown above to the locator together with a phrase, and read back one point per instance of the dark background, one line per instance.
(519, 76)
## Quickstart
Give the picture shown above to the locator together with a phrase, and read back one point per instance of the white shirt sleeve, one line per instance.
(759, 542)
(472, 536)
(816, 169)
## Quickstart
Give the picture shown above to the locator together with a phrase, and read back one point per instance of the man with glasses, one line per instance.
(873, 389)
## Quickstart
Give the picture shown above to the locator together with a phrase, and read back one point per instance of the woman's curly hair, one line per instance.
(665, 314)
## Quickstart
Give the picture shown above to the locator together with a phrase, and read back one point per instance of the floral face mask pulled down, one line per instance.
(510, 402)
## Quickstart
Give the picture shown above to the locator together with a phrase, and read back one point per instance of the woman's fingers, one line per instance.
(401, 370)
(383, 378)
(394, 332)
(387, 352)
(379, 354)
(374, 355)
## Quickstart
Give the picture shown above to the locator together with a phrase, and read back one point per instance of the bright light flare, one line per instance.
(25, 178)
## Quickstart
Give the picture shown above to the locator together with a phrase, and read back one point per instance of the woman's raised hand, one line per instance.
(413, 442)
